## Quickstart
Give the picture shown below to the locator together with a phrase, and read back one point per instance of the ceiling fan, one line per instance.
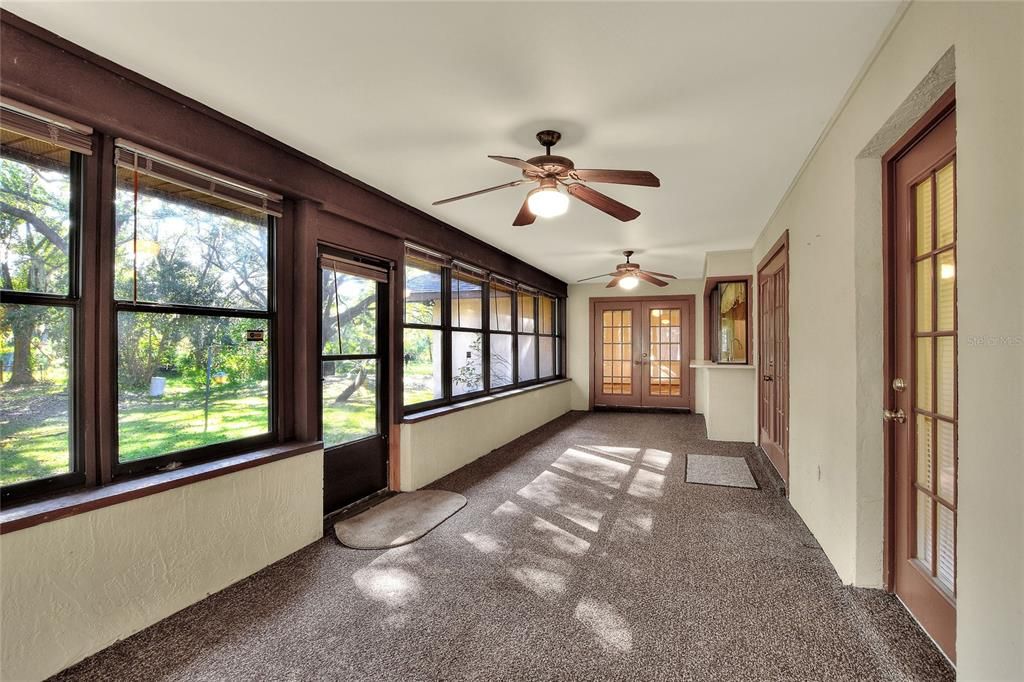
(551, 171)
(627, 275)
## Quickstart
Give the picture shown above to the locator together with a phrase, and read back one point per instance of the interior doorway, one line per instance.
(773, 353)
(921, 371)
(354, 295)
(641, 349)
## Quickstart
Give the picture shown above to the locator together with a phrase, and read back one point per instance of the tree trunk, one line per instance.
(21, 369)
(351, 388)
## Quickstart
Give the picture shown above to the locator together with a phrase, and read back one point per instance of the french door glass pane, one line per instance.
(422, 366)
(35, 403)
(527, 358)
(924, 529)
(501, 360)
(945, 373)
(924, 451)
(35, 214)
(665, 352)
(945, 298)
(923, 288)
(467, 362)
(617, 352)
(349, 400)
(923, 373)
(186, 381)
(946, 449)
(945, 202)
(923, 216)
(946, 547)
(349, 314)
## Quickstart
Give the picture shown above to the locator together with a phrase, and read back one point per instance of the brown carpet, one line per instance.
(582, 555)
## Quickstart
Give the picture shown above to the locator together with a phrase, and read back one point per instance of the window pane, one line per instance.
(527, 358)
(35, 215)
(526, 313)
(546, 323)
(349, 400)
(35, 404)
(422, 292)
(186, 381)
(422, 366)
(467, 362)
(501, 360)
(191, 248)
(467, 302)
(501, 308)
(547, 356)
(349, 314)
(731, 308)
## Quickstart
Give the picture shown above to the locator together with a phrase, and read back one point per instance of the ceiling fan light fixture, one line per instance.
(547, 202)
(629, 282)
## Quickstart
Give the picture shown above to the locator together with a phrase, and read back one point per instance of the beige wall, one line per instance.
(77, 585)
(578, 331)
(836, 324)
(436, 447)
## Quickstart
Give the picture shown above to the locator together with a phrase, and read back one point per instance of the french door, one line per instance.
(354, 371)
(921, 391)
(642, 352)
(773, 351)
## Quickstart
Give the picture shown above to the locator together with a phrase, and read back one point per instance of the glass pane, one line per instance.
(923, 303)
(546, 323)
(349, 314)
(527, 358)
(422, 366)
(923, 375)
(923, 549)
(526, 312)
(35, 215)
(947, 548)
(422, 291)
(501, 308)
(731, 326)
(35, 404)
(467, 362)
(185, 381)
(946, 296)
(923, 216)
(349, 400)
(547, 357)
(187, 247)
(924, 451)
(947, 457)
(945, 201)
(467, 302)
(501, 360)
(945, 375)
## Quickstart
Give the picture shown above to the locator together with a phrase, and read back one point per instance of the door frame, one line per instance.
(687, 301)
(781, 246)
(890, 233)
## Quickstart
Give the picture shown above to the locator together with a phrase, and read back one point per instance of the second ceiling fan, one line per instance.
(551, 171)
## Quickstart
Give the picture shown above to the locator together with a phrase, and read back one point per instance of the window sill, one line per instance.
(476, 402)
(43, 511)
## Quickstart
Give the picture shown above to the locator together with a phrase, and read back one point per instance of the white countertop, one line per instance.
(711, 365)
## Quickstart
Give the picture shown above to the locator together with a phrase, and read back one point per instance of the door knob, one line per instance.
(767, 377)
(899, 416)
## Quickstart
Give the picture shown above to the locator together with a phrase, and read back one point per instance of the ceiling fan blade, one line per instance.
(650, 280)
(619, 177)
(660, 274)
(518, 163)
(602, 202)
(524, 217)
(614, 282)
(514, 183)
(607, 274)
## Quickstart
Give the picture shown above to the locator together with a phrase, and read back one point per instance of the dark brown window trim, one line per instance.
(709, 284)
(477, 402)
(36, 513)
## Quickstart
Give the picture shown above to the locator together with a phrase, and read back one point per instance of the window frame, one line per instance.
(72, 300)
(712, 322)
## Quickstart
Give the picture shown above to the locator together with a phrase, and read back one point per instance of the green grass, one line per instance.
(34, 431)
(419, 383)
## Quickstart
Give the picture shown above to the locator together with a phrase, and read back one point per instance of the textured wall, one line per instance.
(76, 585)
(436, 447)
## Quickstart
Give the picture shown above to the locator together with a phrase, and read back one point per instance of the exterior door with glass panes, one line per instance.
(353, 342)
(921, 409)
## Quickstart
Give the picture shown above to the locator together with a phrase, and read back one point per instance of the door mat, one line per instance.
(718, 470)
(398, 520)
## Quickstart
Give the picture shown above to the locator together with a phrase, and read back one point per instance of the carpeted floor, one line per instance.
(582, 555)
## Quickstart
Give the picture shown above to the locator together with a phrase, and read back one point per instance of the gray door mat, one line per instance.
(718, 470)
(398, 520)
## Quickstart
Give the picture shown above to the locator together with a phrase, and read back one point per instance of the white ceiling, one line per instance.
(722, 101)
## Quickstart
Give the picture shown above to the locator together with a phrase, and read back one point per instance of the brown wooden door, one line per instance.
(921, 387)
(642, 352)
(773, 344)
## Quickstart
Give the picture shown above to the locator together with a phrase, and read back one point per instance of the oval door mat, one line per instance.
(398, 520)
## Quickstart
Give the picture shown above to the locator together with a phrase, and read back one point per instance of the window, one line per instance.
(40, 175)
(192, 291)
(470, 333)
(728, 321)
